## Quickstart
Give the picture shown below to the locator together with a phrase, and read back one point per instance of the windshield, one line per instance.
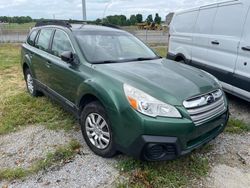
(111, 47)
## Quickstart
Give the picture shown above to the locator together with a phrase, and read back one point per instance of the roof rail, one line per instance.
(53, 22)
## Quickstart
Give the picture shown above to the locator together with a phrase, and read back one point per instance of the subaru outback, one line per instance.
(126, 97)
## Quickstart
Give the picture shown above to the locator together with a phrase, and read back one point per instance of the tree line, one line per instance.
(16, 19)
(122, 20)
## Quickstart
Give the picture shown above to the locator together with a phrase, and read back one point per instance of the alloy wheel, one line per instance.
(97, 131)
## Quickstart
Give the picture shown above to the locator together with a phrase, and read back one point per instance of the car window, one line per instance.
(61, 43)
(32, 37)
(185, 22)
(112, 46)
(44, 39)
(205, 27)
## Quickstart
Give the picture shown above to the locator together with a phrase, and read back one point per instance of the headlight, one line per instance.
(148, 105)
(212, 76)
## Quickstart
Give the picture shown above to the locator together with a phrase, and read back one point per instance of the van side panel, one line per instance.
(224, 41)
(203, 29)
(242, 71)
(181, 32)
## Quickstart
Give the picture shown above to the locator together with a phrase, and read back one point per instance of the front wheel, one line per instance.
(96, 130)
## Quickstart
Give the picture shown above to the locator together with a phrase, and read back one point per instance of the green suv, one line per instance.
(126, 97)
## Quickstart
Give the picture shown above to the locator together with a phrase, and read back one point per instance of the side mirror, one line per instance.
(67, 57)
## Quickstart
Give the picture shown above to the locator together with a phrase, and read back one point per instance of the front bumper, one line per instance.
(158, 148)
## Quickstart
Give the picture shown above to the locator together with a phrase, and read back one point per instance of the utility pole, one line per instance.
(84, 10)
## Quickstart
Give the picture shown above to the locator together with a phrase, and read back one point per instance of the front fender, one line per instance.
(107, 97)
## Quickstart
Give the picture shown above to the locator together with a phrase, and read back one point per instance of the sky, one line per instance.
(66, 9)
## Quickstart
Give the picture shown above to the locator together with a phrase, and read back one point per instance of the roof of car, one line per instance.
(77, 26)
(87, 27)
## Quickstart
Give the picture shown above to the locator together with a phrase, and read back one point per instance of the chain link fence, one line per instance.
(9, 35)
(148, 36)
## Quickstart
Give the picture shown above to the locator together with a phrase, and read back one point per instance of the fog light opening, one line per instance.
(155, 151)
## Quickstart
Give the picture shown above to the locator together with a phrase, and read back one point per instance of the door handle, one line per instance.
(246, 48)
(215, 42)
(48, 64)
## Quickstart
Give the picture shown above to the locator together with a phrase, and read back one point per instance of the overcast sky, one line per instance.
(65, 9)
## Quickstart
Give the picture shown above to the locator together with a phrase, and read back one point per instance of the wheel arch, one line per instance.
(180, 57)
(25, 67)
(95, 93)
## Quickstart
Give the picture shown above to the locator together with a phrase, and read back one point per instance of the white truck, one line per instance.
(215, 38)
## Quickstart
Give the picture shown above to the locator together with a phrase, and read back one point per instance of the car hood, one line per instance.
(163, 79)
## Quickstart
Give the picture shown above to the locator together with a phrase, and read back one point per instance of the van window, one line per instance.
(229, 20)
(61, 43)
(185, 22)
(205, 20)
(44, 39)
(32, 37)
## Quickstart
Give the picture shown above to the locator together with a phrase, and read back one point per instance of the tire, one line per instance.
(30, 84)
(182, 61)
(96, 130)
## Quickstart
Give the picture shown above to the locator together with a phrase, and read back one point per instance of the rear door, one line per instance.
(40, 59)
(242, 71)
(225, 39)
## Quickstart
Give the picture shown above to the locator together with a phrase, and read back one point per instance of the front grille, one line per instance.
(204, 107)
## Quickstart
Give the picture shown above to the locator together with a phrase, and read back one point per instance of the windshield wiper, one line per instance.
(147, 58)
(127, 60)
(109, 61)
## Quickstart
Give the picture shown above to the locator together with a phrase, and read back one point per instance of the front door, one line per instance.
(64, 78)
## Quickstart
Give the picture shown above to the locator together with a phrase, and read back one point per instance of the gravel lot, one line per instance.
(229, 157)
(34, 142)
(239, 108)
(230, 160)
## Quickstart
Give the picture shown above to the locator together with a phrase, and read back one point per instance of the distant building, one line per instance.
(169, 18)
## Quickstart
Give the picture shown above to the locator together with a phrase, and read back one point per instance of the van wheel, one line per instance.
(30, 84)
(96, 130)
(181, 61)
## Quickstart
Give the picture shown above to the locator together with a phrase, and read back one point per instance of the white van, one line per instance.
(215, 38)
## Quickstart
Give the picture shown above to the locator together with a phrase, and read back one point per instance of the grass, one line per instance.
(9, 55)
(179, 173)
(162, 51)
(61, 155)
(237, 126)
(22, 109)
(17, 108)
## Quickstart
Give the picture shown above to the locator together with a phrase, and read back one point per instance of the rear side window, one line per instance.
(205, 20)
(44, 39)
(61, 43)
(32, 37)
(185, 22)
(229, 20)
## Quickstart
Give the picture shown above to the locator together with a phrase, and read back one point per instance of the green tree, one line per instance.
(133, 20)
(157, 19)
(139, 18)
(98, 21)
(149, 19)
